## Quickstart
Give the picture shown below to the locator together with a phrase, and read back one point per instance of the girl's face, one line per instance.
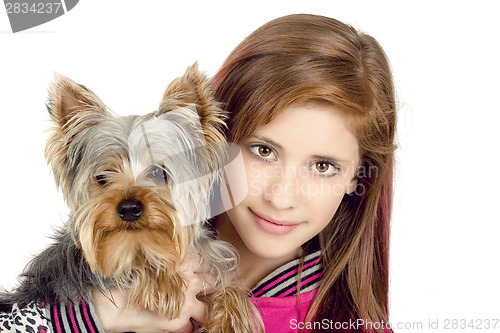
(299, 166)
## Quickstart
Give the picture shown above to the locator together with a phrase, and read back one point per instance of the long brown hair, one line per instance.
(315, 57)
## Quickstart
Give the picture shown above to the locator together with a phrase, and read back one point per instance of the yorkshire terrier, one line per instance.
(139, 190)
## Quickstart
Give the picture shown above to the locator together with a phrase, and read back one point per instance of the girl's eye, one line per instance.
(326, 169)
(322, 166)
(263, 152)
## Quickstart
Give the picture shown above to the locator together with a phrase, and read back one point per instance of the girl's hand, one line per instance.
(120, 318)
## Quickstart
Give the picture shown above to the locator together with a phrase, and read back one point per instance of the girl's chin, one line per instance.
(275, 251)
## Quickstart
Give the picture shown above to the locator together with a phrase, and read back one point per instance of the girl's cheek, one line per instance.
(255, 179)
(254, 171)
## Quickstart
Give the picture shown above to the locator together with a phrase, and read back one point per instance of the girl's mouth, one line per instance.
(273, 226)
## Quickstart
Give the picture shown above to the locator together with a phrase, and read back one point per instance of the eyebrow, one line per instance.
(316, 157)
(330, 158)
(267, 140)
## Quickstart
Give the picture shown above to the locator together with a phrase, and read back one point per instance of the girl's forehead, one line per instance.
(343, 114)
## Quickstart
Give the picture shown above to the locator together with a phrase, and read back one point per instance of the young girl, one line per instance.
(312, 107)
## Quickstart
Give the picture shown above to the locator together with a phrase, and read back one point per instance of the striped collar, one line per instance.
(283, 280)
(71, 318)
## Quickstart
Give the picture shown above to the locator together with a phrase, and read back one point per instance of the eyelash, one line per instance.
(254, 150)
(331, 165)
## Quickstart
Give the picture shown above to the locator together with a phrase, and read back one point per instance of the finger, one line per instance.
(199, 311)
(208, 282)
(196, 272)
(194, 282)
(199, 284)
(190, 262)
(195, 264)
(203, 266)
(186, 328)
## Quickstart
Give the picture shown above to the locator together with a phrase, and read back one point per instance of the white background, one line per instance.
(445, 57)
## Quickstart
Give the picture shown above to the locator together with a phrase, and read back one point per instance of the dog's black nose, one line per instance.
(130, 210)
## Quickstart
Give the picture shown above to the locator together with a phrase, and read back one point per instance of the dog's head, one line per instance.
(132, 182)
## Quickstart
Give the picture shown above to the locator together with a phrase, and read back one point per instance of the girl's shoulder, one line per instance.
(31, 317)
(41, 317)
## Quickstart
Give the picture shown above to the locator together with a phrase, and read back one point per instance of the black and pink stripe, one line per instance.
(283, 281)
(68, 318)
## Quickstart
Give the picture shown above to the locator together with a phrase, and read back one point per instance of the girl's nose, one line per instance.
(282, 189)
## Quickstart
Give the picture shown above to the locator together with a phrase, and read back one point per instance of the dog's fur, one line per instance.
(138, 189)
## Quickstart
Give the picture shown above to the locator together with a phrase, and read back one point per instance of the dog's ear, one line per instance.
(71, 104)
(194, 88)
(73, 108)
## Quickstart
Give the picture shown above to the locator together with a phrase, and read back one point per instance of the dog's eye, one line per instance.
(102, 179)
(158, 173)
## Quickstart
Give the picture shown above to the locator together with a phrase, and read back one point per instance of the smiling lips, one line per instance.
(274, 226)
